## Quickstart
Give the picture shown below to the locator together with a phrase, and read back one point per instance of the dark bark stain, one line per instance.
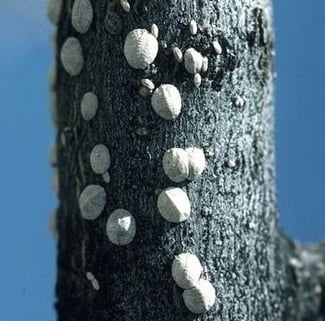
(259, 35)
(217, 80)
(265, 62)
(322, 303)
(113, 22)
(230, 61)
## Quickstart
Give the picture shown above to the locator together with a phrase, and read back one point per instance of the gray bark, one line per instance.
(258, 274)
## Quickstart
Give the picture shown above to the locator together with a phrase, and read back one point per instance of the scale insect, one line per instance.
(71, 56)
(166, 101)
(120, 227)
(140, 48)
(174, 205)
(82, 15)
(186, 270)
(92, 201)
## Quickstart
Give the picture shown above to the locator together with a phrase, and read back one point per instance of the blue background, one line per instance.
(27, 249)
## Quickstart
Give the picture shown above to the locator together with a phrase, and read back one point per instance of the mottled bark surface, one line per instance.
(249, 263)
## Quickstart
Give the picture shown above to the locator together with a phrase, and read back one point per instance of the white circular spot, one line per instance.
(100, 159)
(196, 162)
(125, 5)
(186, 270)
(178, 54)
(82, 15)
(120, 227)
(90, 276)
(239, 101)
(155, 30)
(140, 48)
(148, 84)
(217, 47)
(92, 201)
(193, 27)
(193, 61)
(71, 56)
(166, 101)
(106, 177)
(197, 80)
(89, 106)
(175, 164)
(201, 297)
(174, 205)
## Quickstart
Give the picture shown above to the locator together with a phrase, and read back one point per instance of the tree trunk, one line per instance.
(258, 274)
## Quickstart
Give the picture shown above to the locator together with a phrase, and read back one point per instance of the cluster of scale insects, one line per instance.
(140, 50)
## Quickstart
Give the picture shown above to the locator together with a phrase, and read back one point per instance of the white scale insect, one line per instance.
(197, 80)
(239, 101)
(89, 106)
(140, 48)
(178, 54)
(193, 27)
(175, 164)
(166, 101)
(174, 205)
(148, 84)
(71, 56)
(196, 161)
(217, 47)
(82, 15)
(90, 277)
(92, 201)
(201, 297)
(186, 270)
(199, 294)
(100, 159)
(193, 61)
(155, 30)
(180, 164)
(120, 227)
(125, 5)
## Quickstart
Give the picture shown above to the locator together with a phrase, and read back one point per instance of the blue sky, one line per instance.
(300, 116)
(27, 249)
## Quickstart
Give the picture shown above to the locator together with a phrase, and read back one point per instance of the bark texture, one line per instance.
(257, 273)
